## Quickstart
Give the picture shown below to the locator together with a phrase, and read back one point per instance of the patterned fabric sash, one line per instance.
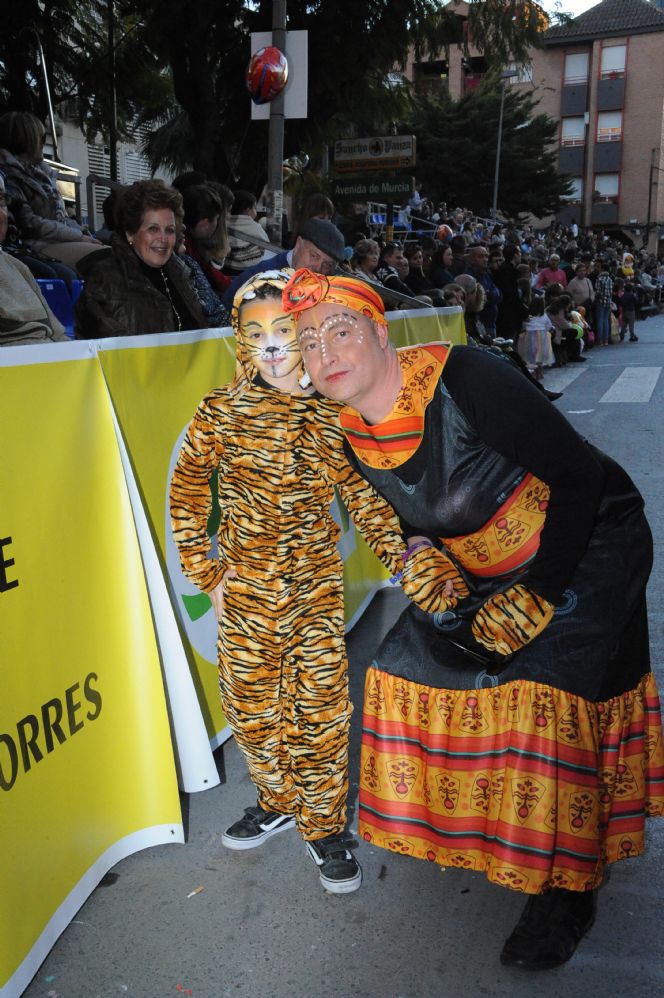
(510, 538)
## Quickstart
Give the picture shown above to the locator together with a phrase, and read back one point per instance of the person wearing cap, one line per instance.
(276, 449)
(319, 247)
(25, 318)
(514, 727)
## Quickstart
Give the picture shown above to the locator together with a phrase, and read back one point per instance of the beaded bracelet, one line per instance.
(406, 555)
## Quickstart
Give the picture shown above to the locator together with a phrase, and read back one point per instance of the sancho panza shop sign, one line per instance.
(387, 151)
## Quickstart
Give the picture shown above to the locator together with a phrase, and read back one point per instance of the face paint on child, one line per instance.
(269, 338)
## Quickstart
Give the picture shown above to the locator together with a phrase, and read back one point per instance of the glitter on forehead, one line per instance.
(341, 318)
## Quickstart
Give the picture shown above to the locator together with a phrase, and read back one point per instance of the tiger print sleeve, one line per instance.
(373, 517)
(191, 499)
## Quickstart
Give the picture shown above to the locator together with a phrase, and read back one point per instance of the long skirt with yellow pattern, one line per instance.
(535, 786)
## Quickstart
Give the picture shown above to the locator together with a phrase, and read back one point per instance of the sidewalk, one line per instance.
(264, 928)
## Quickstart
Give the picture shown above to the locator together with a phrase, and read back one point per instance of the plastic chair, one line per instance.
(59, 301)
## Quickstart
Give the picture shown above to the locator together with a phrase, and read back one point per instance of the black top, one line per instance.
(500, 415)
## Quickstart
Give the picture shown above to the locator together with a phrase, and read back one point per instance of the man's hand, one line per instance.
(217, 594)
(432, 581)
(511, 619)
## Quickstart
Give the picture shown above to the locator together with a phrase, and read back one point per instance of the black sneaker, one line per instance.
(255, 828)
(339, 871)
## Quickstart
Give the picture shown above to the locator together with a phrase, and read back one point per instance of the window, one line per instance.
(607, 186)
(523, 71)
(609, 126)
(577, 191)
(573, 132)
(576, 68)
(613, 62)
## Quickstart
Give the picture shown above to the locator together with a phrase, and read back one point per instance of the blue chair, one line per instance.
(59, 301)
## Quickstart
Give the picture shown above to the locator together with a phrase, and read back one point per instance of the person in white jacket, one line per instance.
(242, 221)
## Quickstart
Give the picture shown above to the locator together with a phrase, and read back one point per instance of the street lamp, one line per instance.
(507, 74)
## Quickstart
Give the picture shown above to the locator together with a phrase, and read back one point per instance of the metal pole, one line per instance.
(496, 172)
(113, 107)
(47, 89)
(275, 194)
(652, 170)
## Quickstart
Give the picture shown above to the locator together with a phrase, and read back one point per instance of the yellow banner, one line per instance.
(86, 764)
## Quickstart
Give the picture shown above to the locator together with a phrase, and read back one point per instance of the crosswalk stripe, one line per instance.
(559, 378)
(635, 384)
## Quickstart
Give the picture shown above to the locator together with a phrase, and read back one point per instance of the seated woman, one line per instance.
(416, 279)
(364, 260)
(140, 286)
(439, 271)
(25, 317)
(37, 206)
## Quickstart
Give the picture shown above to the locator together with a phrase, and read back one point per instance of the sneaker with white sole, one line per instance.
(255, 828)
(339, 871)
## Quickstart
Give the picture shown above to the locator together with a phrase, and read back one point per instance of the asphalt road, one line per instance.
(263, 927)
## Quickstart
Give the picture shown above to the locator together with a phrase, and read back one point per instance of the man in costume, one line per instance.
(515, 727)
(276, 449)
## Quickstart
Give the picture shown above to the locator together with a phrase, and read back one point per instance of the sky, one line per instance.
(573, 7)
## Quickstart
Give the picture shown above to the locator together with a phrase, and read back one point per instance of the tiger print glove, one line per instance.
(425, 577)
(511, 619)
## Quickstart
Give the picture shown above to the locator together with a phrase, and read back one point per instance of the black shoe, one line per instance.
(255, 828)
(577, 360)
(634, 339)
(550, 929)
(339, 871)
(553, 396)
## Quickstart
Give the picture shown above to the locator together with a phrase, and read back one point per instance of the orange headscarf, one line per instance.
(306, 289)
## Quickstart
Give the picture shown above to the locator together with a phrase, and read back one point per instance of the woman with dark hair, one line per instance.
(206, 238)
(140, 286)
(37, 206)
(416, 279)
(439, 271)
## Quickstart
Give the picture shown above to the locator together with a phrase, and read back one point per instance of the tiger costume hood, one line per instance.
(245, 370)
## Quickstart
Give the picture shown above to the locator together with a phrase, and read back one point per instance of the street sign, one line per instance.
(384, 152)
(373, 188)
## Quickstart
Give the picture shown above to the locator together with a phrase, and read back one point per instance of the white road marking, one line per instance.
(559, 378)
(579, 412)
(635, 384)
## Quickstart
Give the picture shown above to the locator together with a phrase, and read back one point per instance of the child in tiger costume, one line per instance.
(277, 582)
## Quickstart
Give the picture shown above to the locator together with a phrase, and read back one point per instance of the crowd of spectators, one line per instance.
(169, 258)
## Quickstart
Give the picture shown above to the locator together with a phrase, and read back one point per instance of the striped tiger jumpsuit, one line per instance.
(282, 659)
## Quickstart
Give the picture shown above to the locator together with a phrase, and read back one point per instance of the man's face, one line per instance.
(554, 262)
(306, 254)
(496, 261)
(268, 334)
(479, 257)
(516, 259)
(395, 258)
(342, 351)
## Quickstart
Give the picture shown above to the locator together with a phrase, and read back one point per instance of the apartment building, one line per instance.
(602, 77)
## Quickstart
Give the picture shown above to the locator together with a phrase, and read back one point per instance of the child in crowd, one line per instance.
(276, 585)
(628, 307)
(534, 343)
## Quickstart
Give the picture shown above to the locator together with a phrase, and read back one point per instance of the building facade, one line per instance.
(601, 76)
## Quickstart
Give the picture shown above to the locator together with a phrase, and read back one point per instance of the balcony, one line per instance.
(571, 159)
(604, 211)
(611, 94)
(607, 156)
(570, 211)
(574, 98)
